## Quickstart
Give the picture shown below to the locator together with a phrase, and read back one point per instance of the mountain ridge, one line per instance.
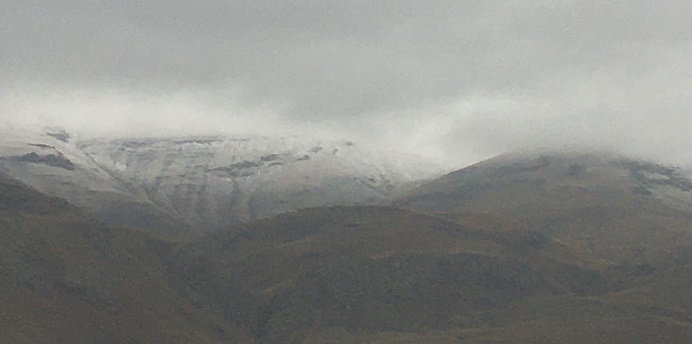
(597, 202)
(191, 185)
(542, 252)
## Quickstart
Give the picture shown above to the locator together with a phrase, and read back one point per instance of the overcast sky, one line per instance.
(455, 80)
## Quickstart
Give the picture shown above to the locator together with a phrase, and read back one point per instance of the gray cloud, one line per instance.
(458, 80)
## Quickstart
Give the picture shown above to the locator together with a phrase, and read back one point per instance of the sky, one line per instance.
(455, 81)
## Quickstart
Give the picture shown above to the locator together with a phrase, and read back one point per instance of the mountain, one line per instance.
(67, 278)
(386, 275)
(215, 181)
(52, 163)
(183, 186)
(444, 265)
(617, 208)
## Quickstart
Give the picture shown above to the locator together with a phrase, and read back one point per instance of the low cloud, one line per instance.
(457, 81)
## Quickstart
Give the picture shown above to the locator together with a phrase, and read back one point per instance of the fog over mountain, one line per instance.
(458, 81)
(392, 171)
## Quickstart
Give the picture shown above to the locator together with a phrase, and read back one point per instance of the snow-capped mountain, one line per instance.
(207, 182)
(53, 164)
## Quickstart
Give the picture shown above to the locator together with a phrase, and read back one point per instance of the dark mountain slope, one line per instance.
(365, 273)
(65, 278)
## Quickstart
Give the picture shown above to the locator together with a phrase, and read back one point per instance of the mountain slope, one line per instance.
(66, 278)
(619, 209)
(371, 274)
(52, 163)
(183, 186)
(214, 181)
(324, 275)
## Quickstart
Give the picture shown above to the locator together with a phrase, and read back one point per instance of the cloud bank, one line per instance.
(455, 80)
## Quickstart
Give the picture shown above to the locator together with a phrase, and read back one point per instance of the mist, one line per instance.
(455, 81)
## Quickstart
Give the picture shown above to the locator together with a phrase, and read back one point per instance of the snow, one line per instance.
(213, 181)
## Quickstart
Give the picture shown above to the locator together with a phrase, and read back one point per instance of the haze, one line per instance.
(456, 81)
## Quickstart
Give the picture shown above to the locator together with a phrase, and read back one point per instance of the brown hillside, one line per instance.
(65, 278)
